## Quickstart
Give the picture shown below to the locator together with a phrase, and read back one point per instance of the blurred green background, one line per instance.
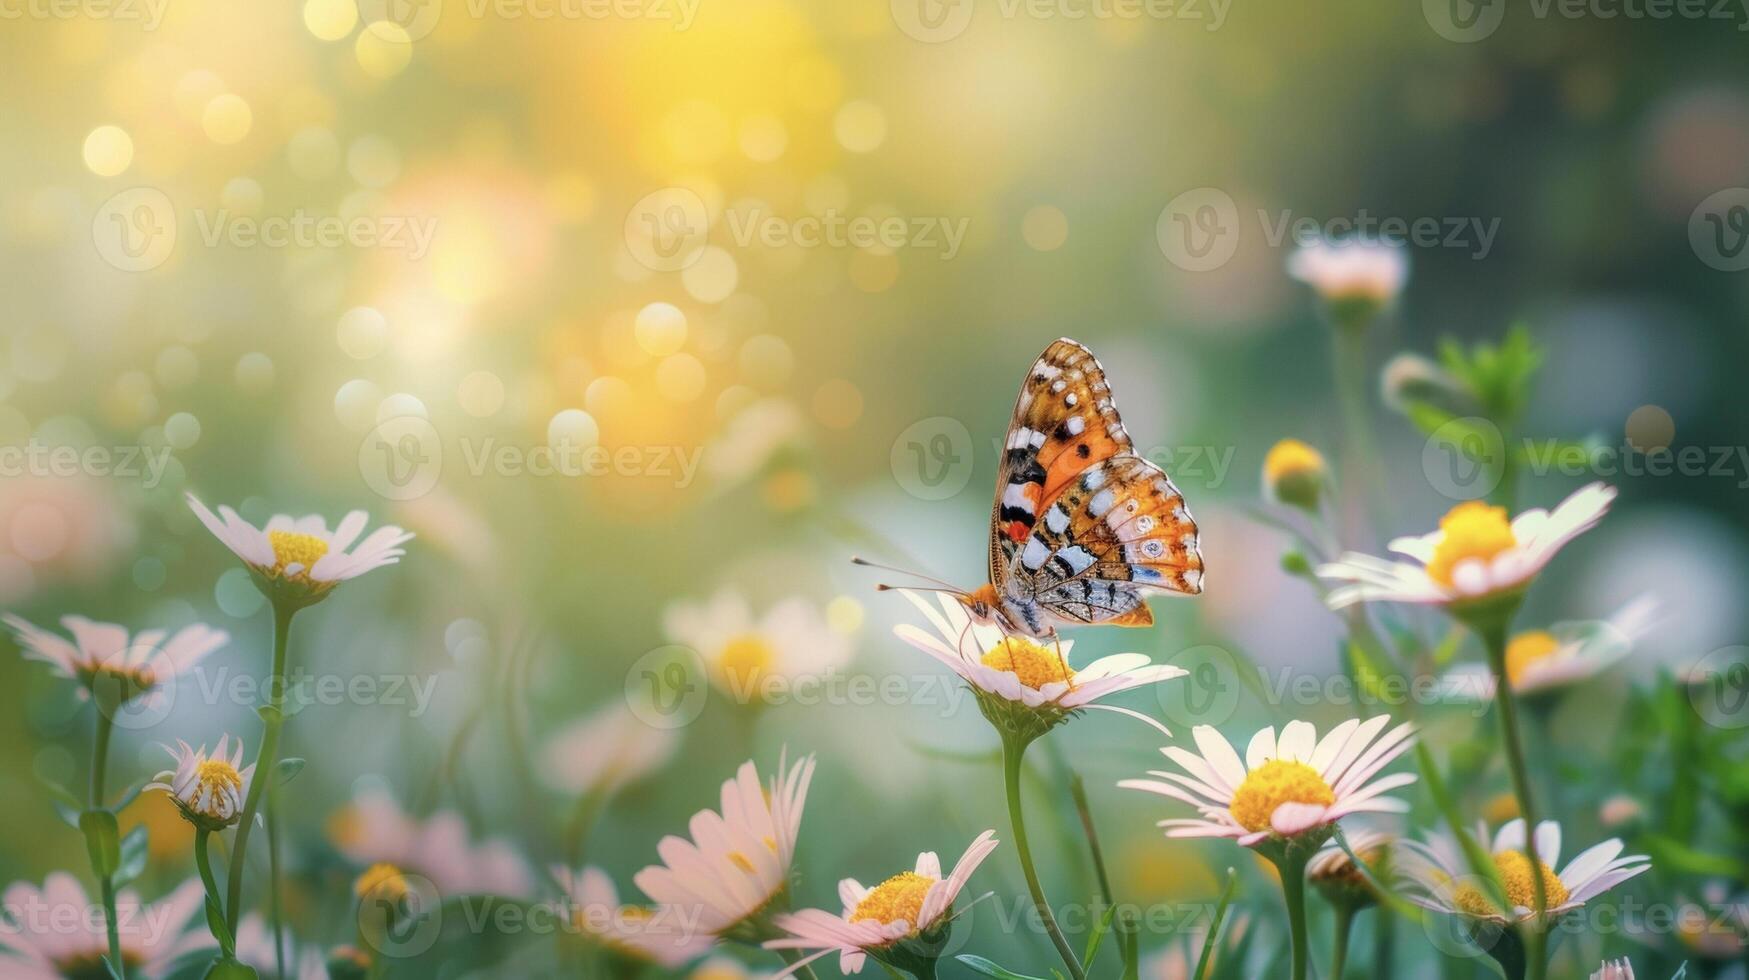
(813, 386)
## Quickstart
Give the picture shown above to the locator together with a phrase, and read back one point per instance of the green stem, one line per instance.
(1494, 637)
(264, 760)
(99, 765)
(1358, 472)
(1293, 892)
(273, 897)
(203, 861)
(1012, 750)
(1384, 941)
(1344, 925)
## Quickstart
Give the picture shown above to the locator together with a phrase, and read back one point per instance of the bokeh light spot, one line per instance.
(1045, 228)
(109, 150)
(660, 329)
(227, 118)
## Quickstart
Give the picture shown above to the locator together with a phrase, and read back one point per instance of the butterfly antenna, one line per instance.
(945, 586)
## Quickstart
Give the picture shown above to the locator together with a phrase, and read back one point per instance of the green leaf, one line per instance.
(215, 922)
(1214, 933)
(286, 770)
(269, 714)
(1673, 854)
(1097, 938)
(102, 841)
(989, 969)
(133, 856)
(66, 804)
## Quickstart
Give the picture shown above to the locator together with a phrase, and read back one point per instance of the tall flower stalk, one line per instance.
(266, 757)
(1013, 753)
(105, 880)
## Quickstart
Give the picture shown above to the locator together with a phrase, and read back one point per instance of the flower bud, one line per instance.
(1294, 474)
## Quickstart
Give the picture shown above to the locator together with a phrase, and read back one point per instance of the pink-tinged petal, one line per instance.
(1219, 754)
(1420, 548)
(1261, 748)
(351, 526)
(1356, 744)
(1330, 746)
(1196, 766)
(1548, 842)
(1130, 713)
(1298, 740)
(1292, 818)
(934, 647)
(1589, 862)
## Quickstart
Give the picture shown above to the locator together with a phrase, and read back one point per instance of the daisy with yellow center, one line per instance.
(208, 789)
(888, 920)
(1296, 785)
(737, 863)
(1294, 474)
(1437, 877)
(1539, 661)
(1477, 554)
(51, 934)
(121, 668)
(591, 903)
(374, 832)
(1021, 683)
(744, 652)
(299, 559)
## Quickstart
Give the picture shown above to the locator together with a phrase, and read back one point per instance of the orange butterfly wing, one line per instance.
(1081, 524)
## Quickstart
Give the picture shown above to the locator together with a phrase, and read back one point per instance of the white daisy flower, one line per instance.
(1282, 788)
(603, 751)
(742, 651)
(592, 904)
(1351, 269)
(373, 830)
(1565, 654)
(1475, 555)
(876, 921)
(299, 559)
(103, 656)
(738, 860)
(58, 931)
(209, 790)
(255, 948)
(1614, 970)
(1009, 672)
(1439, 879)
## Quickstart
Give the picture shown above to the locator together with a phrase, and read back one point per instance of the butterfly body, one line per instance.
(1082, 528)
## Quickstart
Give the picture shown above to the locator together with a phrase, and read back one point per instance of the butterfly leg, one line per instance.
(1057, 644)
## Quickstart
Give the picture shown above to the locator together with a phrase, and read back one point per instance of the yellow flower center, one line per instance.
(290, 547)
(1270, 785)
(899, 897)
(1291, 457)
(1526, 649)
(216, 777)
(381, 880)
(1515, 872)
(745, 660)
(1472, 530)
(1035, 665)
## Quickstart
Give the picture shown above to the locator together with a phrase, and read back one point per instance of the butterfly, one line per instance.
(1082, 529)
